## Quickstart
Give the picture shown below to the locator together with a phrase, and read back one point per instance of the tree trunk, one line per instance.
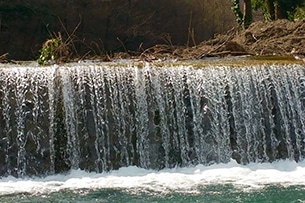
(278, 11)
(271, 8)
(247, 13)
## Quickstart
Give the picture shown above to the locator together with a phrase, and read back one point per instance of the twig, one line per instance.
(3, 59)
(122, 45)
(189, 30)
(69, 40)
(193, 37)
(3, 56)
(221, 45)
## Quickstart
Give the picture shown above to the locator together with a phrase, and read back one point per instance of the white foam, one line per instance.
(179, 179)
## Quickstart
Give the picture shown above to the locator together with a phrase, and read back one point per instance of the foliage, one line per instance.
(237, 12)
(279, 8)
(261, 4)
(54, 50)
(243, 19)
(298, 14)
(289, 6)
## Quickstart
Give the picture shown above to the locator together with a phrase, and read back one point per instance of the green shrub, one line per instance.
(54, 50)
(298, 14)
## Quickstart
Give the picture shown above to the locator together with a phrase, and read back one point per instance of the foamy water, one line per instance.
(252, 176)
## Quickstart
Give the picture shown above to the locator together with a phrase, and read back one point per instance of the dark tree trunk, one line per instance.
(247, 13)
(271, 8)
(278, 11)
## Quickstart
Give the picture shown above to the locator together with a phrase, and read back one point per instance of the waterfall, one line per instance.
(100, 117)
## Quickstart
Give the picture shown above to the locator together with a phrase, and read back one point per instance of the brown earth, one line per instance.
(277, 38)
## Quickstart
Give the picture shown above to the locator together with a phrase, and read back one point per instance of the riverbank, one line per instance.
(281, 40)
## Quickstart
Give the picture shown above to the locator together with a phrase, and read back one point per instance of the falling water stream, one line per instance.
(104, 117)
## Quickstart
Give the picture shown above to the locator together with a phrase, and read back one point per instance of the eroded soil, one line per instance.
(277, 38)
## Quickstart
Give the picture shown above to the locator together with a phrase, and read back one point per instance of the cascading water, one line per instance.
(103, 117)
(26, 121)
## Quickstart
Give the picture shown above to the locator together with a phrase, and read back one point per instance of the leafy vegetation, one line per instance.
(54, 50)
(237, 12)
(272, 10)
(298, 14)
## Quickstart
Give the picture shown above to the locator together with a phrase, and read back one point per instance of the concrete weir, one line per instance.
(100, 117)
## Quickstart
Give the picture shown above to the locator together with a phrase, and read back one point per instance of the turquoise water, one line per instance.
(282, 181)
(211, 193)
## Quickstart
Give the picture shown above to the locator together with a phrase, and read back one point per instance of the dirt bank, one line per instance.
(279, 38)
